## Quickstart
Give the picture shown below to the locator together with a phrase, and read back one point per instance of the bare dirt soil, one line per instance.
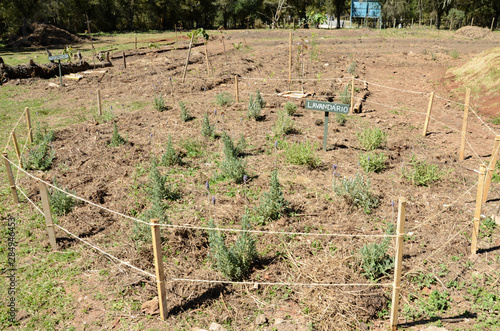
(43, 35)
(438, 217)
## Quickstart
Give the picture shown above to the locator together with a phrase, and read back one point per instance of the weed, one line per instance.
(372, 162)
(374, 259)
(487, 228)
(423, 280)
(60, 202)
(233, 262)
(193, 147)
(357, 192)
(496, 173)
(345, 95)
(223, 99)
(496, 120)
(116, 139)
(207, 129)
(39, 157)
(371, 139)
(433, 56)
(421, 173)
(107, 116)
(170, 157)
(290, 108)
(302, 153)
(159, 103)
(284, 124)
(341, 119)
(437, 302)
(185, 115)
(455, 54)
(254, 108)
(272, 204)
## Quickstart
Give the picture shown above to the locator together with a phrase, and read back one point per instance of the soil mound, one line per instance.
(40, 35)
(475, 32)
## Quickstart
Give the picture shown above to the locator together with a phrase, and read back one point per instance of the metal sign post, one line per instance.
(58, 58)
(327, 107)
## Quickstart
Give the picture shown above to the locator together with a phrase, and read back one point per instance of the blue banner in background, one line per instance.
(364, 8)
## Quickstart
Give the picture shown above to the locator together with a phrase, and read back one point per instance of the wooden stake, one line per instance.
(290, 60)
(12, 183)
(491, 168)
(464, 124)
(399, 263)
(124, 61)
(28, 123)
(352, 96)
(224, 46)
(492, 21)
(16, 147)
(135, 42)
(428, 116)
(206, 60)
(236, 85)
(99, 106)
(160, 275)
(48, 215)
(187, 59)
(477, 213)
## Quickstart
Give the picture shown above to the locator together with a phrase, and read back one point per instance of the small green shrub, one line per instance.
(290, 108)
(375, 261)
(241, 145)
(233, 168)
(272, 204)
(345, 95)
(185, 115)
(352, 68)
(170, 157)
(421, 173)
(107, 116)
(157, 187)
(357, 192)
(233, 262)
(254, 108)
(371, 139)
(455, 54)
(229, 147)
(496, 120)
(284, 124)
(302, 153)
(42, 133)
(259, 99)
(436, 303)
(340, 119)
(207, 130)
(223, 99)
(60, 202)
(39, 157)
(372, 162)
(116, 139)
(159, 103)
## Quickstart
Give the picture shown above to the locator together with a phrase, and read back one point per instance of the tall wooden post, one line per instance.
(224, 47)
(464, 124)
(135, 42)
(491, 168)
(477, 213)
(99, 106)
(236, 86)
(428, 116)
(16, 147)
(160, 275)
(124, 61)
(399, 263)
(492, 21)
(28, 123)
(187, 59)
(12, 183)
(351, 110)
(206, 59)
(48, 215)
(290, 60)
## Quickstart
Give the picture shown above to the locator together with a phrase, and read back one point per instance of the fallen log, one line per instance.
(48, 70)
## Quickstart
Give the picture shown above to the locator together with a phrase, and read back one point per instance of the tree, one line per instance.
(336, 7)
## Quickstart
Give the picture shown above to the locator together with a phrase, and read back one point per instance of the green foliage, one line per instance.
(170, 157)
(496, 120)
(60, 202)
(185, 114)
(207, 130)
(193, 147)
(116, 139)
(284, 124)
(423, 280)
(302, 153)
(340, 119)
(290, 108)
(157, 187)
(233, 262)
(436, 303)
(233, 168)
(229, 147)
(241, 145)
(159, 103)
(223, 99)
(455, 54)
(259, 99)
(496, 174)
(357, 192)
(352, 68)
(39, 157)
(198, 33)
(345, 95)
(372, 162)
(375, 261)
(371, 139)
(420, 173)
(488, 226)
(42, 133)
(315, 19)
(254, 108)
(272, 204)
(107, 116)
